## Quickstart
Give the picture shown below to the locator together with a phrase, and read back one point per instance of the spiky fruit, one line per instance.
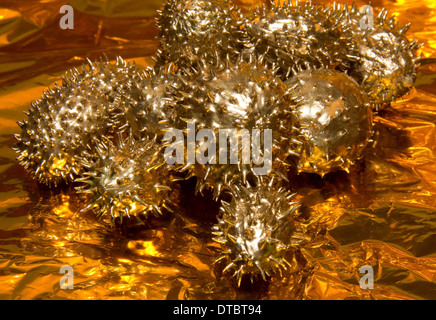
(384, 61)
(144, 109)
(198, 28)
(62, 126)
(335, 119)
(240, 96)
(127, 179)
(297, 36)
(257, 229)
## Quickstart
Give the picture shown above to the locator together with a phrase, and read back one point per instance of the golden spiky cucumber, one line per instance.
(193, 29)
(128, 178)
(335, 119)
(62, 126)
(257, 229)
(384, 61)
(297, 36)
(242, 96)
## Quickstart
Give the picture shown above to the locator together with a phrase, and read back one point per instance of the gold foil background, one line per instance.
(382, 214)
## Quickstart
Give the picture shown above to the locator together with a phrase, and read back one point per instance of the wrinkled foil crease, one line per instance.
(382, 214)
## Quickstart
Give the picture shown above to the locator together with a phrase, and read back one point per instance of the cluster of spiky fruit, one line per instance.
(372, 50)
(307, 74)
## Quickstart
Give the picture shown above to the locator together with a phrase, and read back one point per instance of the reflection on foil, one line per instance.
(381, 214)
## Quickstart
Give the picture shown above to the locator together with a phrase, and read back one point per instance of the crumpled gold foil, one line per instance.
(381, 214)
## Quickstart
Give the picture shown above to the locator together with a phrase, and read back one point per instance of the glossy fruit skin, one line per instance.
(335, 119)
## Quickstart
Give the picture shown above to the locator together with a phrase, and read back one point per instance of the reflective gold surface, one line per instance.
(382, 214)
